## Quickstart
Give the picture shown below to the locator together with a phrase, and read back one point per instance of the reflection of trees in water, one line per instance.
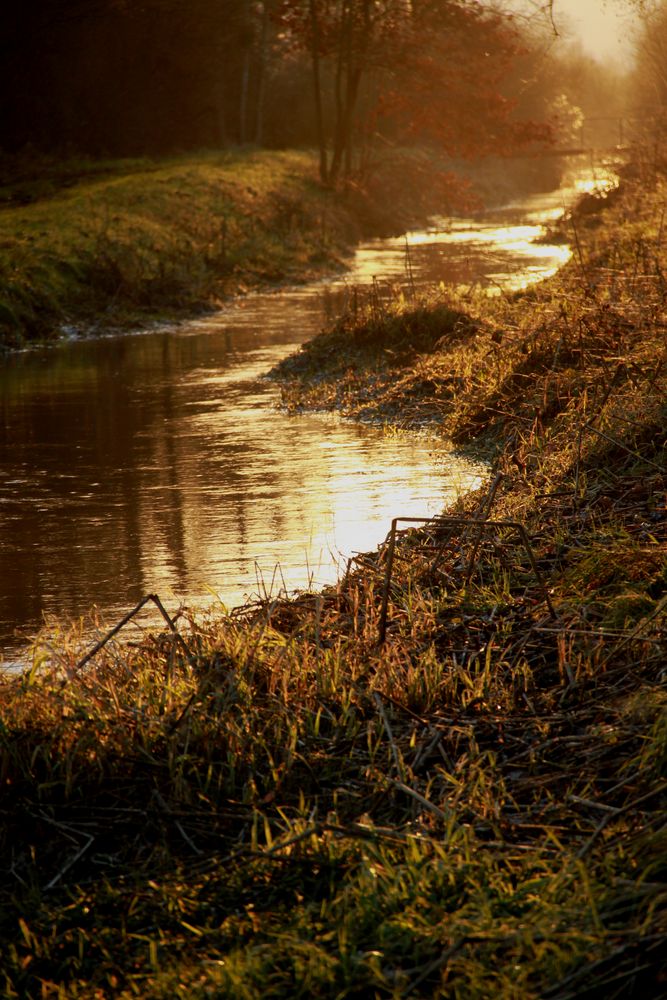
(81, 434)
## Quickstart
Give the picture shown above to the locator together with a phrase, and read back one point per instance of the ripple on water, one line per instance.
(160, 463)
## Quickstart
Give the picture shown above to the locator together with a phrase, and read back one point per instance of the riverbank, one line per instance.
(93, 245)
(124, 244)
(446, 776)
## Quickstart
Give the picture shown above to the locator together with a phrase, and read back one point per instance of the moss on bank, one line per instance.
(281, 805)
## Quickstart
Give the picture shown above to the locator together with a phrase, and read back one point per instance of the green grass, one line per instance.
(286, 807)
(120, 242)
(290, 810)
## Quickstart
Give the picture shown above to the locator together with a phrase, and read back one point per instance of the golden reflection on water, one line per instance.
(160, 462)
(508, 236)
(502, 250)
(301, 497)
(502, 257)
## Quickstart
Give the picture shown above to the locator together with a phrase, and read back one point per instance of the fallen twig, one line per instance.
(124, 621)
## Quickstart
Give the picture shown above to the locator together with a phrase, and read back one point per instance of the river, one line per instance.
(160, 462)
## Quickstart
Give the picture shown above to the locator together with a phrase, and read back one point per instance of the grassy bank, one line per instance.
(446, 776)
(97, 244)
(126, 242)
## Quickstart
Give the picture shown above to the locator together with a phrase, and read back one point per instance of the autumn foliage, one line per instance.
(430, 70)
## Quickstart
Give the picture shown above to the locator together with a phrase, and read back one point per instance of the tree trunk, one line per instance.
(243, 109)
(317, 91)
(353, 59)
(342, 152)
(343, 59)
(261, 75)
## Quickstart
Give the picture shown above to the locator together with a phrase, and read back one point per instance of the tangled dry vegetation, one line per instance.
(446, 776)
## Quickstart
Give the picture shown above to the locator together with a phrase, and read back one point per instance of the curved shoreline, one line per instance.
(165, 240)
(289, 806)
(125, 243)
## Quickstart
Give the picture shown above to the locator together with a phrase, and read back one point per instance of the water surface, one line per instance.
(160, 462)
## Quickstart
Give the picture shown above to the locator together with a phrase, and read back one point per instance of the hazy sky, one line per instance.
(604, 27)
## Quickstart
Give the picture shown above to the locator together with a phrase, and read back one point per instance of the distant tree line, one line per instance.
(128, 77)
(649, 82)
(125, 76)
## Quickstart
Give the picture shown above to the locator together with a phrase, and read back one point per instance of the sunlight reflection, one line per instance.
(508, 237)
(194, 484)
(483, 251)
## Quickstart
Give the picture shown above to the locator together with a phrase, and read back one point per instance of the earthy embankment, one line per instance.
(445, 777)
(98, 245)
(92, 245)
